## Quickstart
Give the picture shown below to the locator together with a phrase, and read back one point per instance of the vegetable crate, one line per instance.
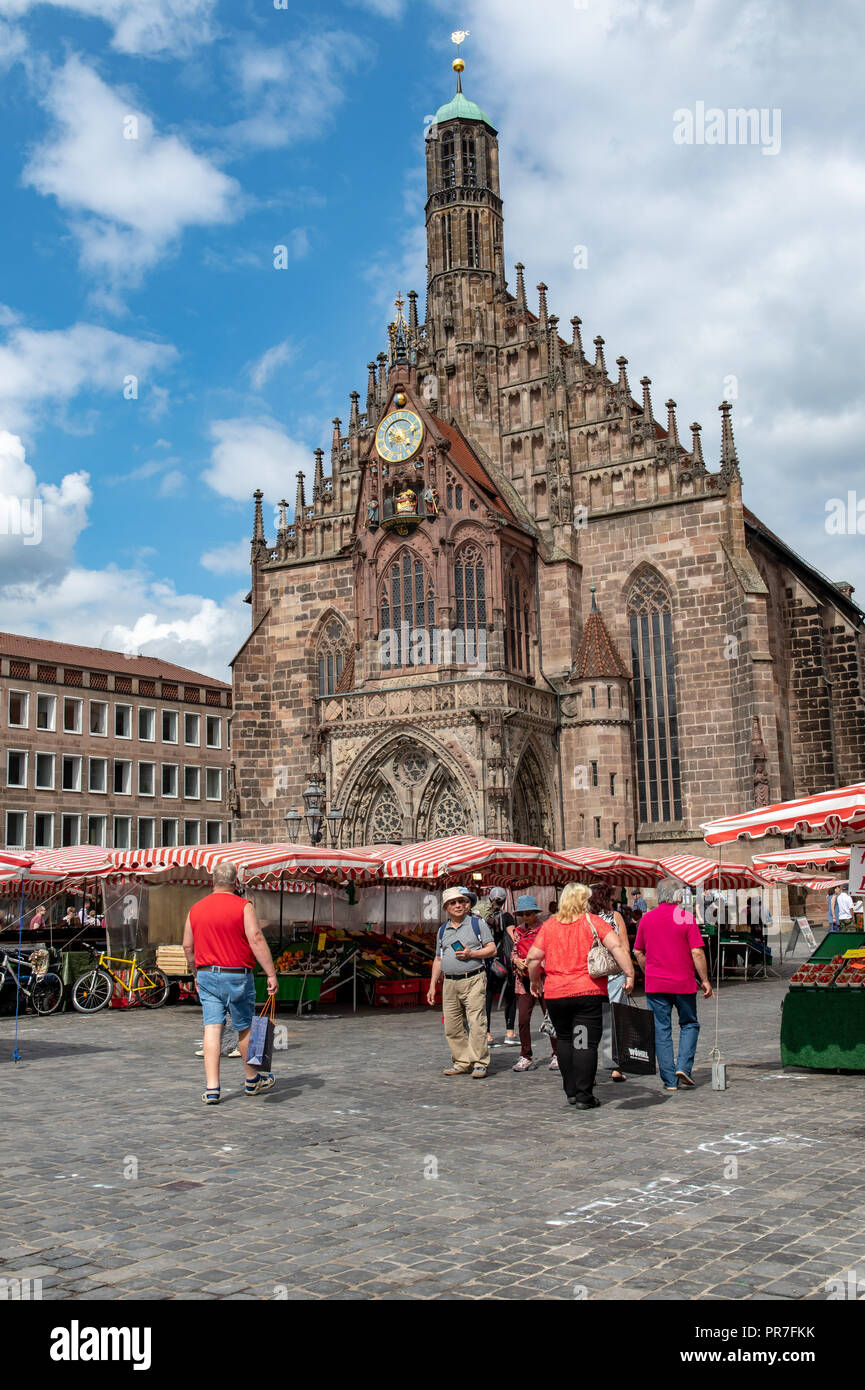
(397, 994)
(289, 989)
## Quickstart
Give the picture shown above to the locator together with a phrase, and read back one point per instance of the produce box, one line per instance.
(172, 960)
(289, 988)
(396, 994)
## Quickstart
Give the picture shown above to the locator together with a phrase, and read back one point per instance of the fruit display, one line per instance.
(821, 974)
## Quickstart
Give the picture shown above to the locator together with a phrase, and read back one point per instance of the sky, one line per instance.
(156, 366)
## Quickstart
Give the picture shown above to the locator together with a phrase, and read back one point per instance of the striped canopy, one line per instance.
(622, 870)
(254, 862)
(814, 885)
(500, 861)
(805, 857)
(832, 812)
(74, 861)
(693, 870)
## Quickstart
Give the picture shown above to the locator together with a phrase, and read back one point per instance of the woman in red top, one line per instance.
(574, 998)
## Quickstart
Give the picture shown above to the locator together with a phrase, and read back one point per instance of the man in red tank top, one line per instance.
(222, 941)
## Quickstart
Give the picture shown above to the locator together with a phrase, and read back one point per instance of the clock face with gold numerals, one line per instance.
(399, 436)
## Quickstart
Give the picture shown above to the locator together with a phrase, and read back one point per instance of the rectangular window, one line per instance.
(192, 782)
(72, 717)
(46, 712)
(146, 832)
(594, 698)
(98, 776)
(213, 732)
(43, 830)
(597, 827)
(123, 780)
(70, 832)
(191, 832)
(122, 832)
(45, 772)
(146, 724)
(99, 718)
(615, 832)
(71, 774)
(96, 826)
(19, 710)
(122, 721)
(213, 784)
(16, 768)
(192, 729)
(147, 779)
(612, 784)
(169, 780)
(213, 832)
(169, 832)
(169, 726)
(594, 774)
(16, 829)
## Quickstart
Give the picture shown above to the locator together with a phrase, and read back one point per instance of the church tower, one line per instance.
(465, 265)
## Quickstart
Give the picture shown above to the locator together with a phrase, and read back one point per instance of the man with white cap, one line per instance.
(464, 943)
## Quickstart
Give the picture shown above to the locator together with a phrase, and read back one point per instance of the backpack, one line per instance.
(476, 928)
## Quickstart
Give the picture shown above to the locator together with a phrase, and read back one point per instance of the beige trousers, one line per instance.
(465, 1002)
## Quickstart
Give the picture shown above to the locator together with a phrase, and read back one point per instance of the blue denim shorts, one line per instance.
(224, 994)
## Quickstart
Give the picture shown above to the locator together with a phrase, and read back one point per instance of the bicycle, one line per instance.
(43, 989)
(93, 990)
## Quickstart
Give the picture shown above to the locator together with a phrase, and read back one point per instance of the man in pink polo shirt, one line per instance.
(669, 949)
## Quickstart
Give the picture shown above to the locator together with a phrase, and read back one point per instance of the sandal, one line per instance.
(618, 1077)
(211, 1097)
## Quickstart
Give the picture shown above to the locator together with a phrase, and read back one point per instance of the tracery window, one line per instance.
(517, 621)
(385, 823)
(470, 172)
(659, 787)
(447, 242)
(407, 632)
(332, 651)
(470, 591)
(449, 160)
(473, 234)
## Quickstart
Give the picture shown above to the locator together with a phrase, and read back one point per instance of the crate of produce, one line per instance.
(289, 988)
(396, 994)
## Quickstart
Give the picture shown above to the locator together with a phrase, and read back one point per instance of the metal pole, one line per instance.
(281, 892)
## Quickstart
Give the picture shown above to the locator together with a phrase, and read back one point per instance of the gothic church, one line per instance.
(518, 605)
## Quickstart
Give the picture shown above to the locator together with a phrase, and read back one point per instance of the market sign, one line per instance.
(857, 869)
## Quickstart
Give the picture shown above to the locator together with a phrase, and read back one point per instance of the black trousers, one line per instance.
(578, 1022)
(509, 1001)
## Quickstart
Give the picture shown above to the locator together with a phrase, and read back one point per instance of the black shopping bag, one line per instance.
(260, 1050)
(634, 1039)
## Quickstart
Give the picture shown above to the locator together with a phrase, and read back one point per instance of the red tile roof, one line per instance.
(63, 654)
(472, 468)
(597, 654)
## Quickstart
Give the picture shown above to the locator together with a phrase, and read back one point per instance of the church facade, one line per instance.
(519, 604)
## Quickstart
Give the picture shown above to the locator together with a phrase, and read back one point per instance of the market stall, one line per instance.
(823, 1014)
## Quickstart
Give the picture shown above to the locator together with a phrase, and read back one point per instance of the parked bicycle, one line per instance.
(39, 986)
(93, 990)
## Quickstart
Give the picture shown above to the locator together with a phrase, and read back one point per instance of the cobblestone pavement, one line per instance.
(367, 1173)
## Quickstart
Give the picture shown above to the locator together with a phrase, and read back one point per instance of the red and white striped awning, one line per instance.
(815, 885)
(74, 861)
(622, 870)
(805, 857)
(253, 861)
(693, 870)
(831, 812)
(500, 861)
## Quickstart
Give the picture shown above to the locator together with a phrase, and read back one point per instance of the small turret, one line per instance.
(697, 448)
(648, 417)
(521, 287)
(259, 543)
(300, 500)
(672, 427)
(354, 416)
(622, 383)
(600, 364)
(729, 462)
(542, 305)
(577, 344)
(371, 391)
(318, 481)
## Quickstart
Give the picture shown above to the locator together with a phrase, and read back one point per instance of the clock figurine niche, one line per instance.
(397, 440)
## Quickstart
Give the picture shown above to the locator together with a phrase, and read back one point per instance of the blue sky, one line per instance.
(152, 258)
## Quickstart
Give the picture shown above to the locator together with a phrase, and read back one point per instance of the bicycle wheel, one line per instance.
(151, 987)
(92, 992)
(47, 993)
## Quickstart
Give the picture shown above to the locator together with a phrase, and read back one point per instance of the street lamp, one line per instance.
(334, 825)
(313, 796)
(292, 824)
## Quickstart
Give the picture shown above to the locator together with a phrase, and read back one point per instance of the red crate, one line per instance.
(397, 994)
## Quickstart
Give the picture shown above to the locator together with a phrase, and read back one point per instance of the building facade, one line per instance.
(99, 748)
(518, 604)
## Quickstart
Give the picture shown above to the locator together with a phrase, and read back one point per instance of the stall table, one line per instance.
(823, 1027)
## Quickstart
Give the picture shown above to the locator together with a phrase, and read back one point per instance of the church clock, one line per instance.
(399, 436)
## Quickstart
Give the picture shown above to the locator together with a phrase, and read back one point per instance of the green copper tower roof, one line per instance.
(460, 108)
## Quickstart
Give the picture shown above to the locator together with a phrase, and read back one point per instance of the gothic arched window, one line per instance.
(470, 592)
(659, 784)
(447, 243)
(516, 620)
(473, 239)
(332, 652)
(406, 614)
(449, 160)
(470, 172)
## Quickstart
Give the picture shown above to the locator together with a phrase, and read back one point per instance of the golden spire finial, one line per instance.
(459, 36)
(399, 301)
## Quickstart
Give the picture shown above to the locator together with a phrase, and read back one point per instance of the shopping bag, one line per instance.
(634, 1038)
(260, 1050)
(606, 1047)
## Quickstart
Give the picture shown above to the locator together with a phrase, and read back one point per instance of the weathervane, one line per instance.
(459, 36)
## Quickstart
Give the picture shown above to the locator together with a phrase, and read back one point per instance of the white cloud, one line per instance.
(130, 193)
(385, 9)
(39, 522)
(293, 92)
(231, 558)
(172, 483)
(13, 43)
(249, 454)
(278, 356)
(140, 26)
(39, 369)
